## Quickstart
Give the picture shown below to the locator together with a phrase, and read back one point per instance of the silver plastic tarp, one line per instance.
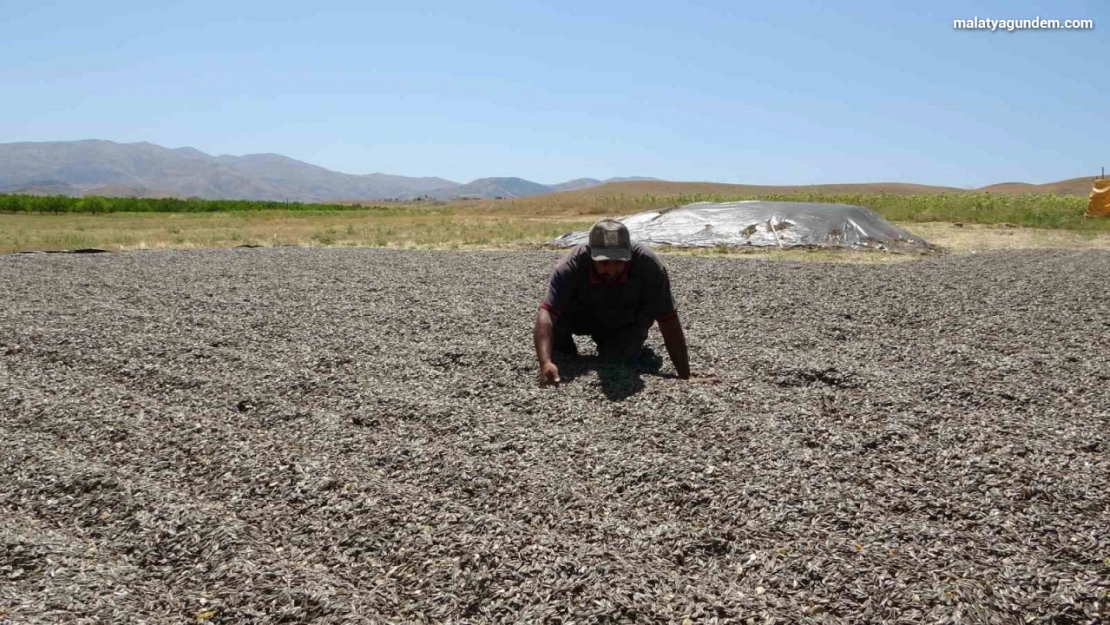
(765, 224)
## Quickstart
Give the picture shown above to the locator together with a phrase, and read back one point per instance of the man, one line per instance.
(613, 291)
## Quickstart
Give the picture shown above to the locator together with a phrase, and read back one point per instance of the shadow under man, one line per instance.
(620, 378)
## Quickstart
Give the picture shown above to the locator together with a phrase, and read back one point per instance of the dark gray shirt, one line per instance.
(641, 296)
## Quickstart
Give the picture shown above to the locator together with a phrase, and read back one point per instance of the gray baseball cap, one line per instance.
(609, 240)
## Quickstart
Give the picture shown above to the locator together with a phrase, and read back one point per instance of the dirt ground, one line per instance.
(354, 435)
(966, 237)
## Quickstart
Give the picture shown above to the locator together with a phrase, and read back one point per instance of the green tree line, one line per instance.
(97, 204)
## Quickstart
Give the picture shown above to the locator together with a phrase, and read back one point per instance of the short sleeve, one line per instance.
(560, 289)
(659, 300)
(663, 305)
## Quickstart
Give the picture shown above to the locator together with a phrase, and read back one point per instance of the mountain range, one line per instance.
(107, 168)
(96, 167)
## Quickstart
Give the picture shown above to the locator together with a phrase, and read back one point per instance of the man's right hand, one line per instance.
(549, 374)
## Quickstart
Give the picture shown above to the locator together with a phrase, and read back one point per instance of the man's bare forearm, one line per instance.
(675, 341)
(543, 336)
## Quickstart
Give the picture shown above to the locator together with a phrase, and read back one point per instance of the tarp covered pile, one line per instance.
(759, 223)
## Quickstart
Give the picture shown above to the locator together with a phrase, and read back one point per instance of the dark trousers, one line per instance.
(621, 344)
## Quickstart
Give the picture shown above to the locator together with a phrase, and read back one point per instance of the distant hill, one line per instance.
(42, 187)
(1009, 188)
(491, 188)
(122, 191)
(576, 184)
(1071, 186)
(319, 183)
(87, 165)
(61, 188)
(661, 187)
(149, 170)
(586, 183)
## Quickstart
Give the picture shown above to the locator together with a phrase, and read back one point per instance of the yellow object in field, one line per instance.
(1100, 199)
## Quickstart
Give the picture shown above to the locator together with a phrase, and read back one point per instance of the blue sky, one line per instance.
(769, 93)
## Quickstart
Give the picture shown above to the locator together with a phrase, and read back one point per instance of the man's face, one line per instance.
(609, 270)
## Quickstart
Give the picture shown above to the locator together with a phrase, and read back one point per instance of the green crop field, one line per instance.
(58, 222)
(1028, 211)
(55, 204)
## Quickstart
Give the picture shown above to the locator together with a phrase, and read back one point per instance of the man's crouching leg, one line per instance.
(625, 346)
